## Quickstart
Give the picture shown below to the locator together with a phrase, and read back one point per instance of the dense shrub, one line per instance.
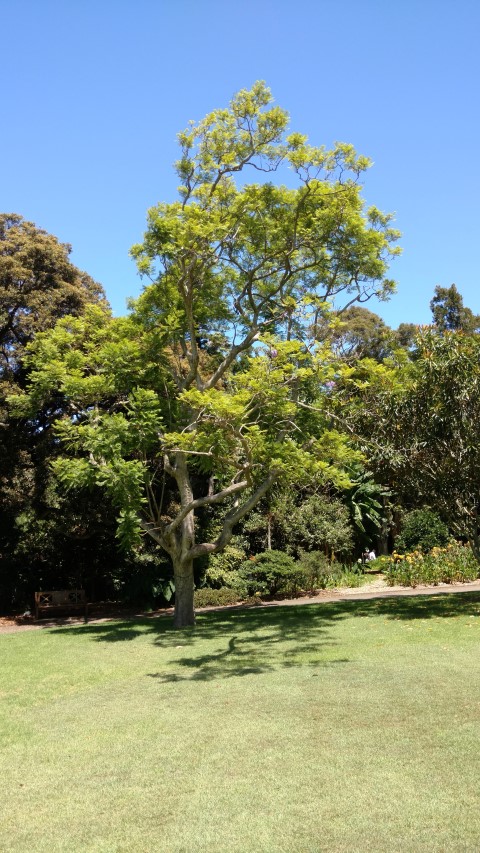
(317, 572)
(320, 523)
(223, 568)
(215, 597)
(315, 568)
(422, 531)
(453, 564)
(270, 573)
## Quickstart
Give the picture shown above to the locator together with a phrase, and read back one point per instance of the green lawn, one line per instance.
(335, 727)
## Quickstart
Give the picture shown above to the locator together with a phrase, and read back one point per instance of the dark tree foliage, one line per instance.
(42, 536)
(405, 335)
(38, 285)
(449, 313)
(361, 333)
(422, 529)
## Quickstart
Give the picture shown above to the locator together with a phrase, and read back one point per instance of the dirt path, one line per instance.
(376, 589)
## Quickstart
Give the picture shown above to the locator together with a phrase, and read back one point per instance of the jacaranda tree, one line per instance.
(215, 387)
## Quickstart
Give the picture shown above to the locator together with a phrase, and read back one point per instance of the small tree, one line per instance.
(321, 523)
(241, 273)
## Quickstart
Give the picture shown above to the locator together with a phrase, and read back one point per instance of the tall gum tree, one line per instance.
(237, 394)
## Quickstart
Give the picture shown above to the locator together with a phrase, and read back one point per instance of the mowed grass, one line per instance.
(351, 726)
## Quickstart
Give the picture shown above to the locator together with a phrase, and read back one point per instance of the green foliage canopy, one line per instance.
(234, 395)
(417, 420)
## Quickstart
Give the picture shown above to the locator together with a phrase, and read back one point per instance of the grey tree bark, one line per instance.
(178, 537)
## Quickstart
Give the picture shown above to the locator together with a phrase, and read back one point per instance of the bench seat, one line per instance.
(55, 600)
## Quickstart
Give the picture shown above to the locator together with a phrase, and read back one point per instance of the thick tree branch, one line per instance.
(232, 519)
(206, 500)
(248, 340)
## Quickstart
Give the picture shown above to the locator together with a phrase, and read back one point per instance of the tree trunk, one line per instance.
(184, 586)
(182, 565)
(382, 538)
(474, 538)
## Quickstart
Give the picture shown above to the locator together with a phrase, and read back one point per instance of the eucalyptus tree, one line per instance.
(359, 333)
(235, 396)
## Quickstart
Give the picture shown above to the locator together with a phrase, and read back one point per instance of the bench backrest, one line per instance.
(57, 597)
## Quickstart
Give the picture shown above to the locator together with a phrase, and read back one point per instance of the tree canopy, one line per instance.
(234, 395)
(38, 285)
(449, 314)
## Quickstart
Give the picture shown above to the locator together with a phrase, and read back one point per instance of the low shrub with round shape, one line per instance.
(270, 573)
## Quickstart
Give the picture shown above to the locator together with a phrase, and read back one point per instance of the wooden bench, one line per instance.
(61, 599)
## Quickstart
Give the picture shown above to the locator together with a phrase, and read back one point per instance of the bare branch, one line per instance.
(153, 531)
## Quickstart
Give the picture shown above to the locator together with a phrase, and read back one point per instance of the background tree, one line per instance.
(357, 333)
(241, 271)
(405, 335)
(38, 285)
(417, 421)
(449, 313)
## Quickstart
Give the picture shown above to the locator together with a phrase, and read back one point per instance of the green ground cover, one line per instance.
(350, 726)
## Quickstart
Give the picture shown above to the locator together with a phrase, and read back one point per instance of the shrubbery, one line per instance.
(315, 568)
(276, 573)
(317, 572)
(422, 530)
(270, 573)
(453, 564)
(223, 568)
(208, 597)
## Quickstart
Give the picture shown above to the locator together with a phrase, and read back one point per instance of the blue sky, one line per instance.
(94, 93)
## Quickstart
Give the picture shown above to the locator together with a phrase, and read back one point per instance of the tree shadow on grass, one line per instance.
(410, 607)
(229, 643)
(233, 643)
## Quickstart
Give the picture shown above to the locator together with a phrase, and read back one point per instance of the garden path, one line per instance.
(377, 588)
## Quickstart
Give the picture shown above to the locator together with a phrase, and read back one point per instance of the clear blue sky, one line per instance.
(94, 93)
